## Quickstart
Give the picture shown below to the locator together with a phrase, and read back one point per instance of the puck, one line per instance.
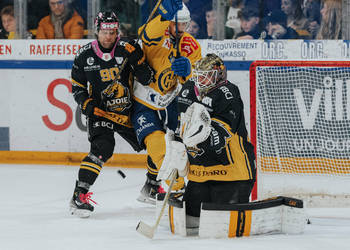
(121, 174)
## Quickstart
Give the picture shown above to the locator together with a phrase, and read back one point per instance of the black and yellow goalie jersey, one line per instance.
(227, 154)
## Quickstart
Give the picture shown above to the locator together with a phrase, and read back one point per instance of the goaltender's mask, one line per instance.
(208, 72)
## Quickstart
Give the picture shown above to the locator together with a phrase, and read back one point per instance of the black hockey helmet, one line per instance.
(106, 20)
(209, 72)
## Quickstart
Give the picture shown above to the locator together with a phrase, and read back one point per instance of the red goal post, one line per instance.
(300, 127)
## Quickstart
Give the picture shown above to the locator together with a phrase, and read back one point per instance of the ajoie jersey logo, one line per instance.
(90, 61)
(141, 120)
(119, 98)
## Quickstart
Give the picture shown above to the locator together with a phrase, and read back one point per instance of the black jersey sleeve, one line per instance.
(228, 106)
(227, 117)
(79, 81)
(144, 73)
(140, 68)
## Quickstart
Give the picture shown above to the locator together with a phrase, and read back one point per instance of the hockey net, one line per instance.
(300, 126)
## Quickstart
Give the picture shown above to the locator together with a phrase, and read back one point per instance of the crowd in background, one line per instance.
(245, 19)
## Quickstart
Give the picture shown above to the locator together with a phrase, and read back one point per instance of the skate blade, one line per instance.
(145, 199)
(81, 213)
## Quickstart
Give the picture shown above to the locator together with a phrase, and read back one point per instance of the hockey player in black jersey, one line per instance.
(212, 127)
(107, 106)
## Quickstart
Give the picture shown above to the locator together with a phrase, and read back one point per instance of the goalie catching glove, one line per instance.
(195, 125)
(175, 158)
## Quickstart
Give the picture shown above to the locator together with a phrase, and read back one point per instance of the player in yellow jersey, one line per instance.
(170, 51)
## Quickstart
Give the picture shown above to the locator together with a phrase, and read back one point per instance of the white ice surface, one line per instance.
(34, 215)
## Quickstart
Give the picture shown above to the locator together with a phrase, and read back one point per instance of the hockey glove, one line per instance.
(195, 125)
(175, 158)
(88, 108)
(168, 8)
(181, 66)
(133, 52)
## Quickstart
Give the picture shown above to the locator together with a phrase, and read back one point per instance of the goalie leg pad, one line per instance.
(254, 218)
(177, 217)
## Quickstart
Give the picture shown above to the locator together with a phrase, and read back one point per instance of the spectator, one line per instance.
(128, 13)
(199, 7)
(63, 22)
(276, 26)
(312, 13)
(36, 10)
(210, 18)
(233, 21)
(331, 13)
(8, 22)
(250, 23)
(268, 6)
(295, 17)
(195, 29)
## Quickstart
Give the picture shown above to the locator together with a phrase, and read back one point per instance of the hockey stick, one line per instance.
(144, 228)
(177, 37)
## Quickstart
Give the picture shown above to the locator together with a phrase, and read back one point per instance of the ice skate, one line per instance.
(149, 191)
(80, 202)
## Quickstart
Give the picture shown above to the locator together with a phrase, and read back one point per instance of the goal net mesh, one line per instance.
(302, 120)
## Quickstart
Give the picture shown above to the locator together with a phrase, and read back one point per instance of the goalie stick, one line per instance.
(144, 228)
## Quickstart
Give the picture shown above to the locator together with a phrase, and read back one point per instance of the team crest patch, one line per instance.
(119, 60)
(166, 80)
(194, 151)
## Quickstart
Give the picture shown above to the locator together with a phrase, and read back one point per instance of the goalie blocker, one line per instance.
(275, 215)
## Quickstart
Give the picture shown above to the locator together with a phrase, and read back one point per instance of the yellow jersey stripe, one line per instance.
(90, 164)
(90, 169)
(245, 157)
(74, 82)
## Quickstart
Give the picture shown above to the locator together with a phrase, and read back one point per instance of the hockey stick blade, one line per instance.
(145, 229)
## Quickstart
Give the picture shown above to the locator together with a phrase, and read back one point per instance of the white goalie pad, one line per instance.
(177, 217)
(175, 158)
(245, 220)
(195, 125)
